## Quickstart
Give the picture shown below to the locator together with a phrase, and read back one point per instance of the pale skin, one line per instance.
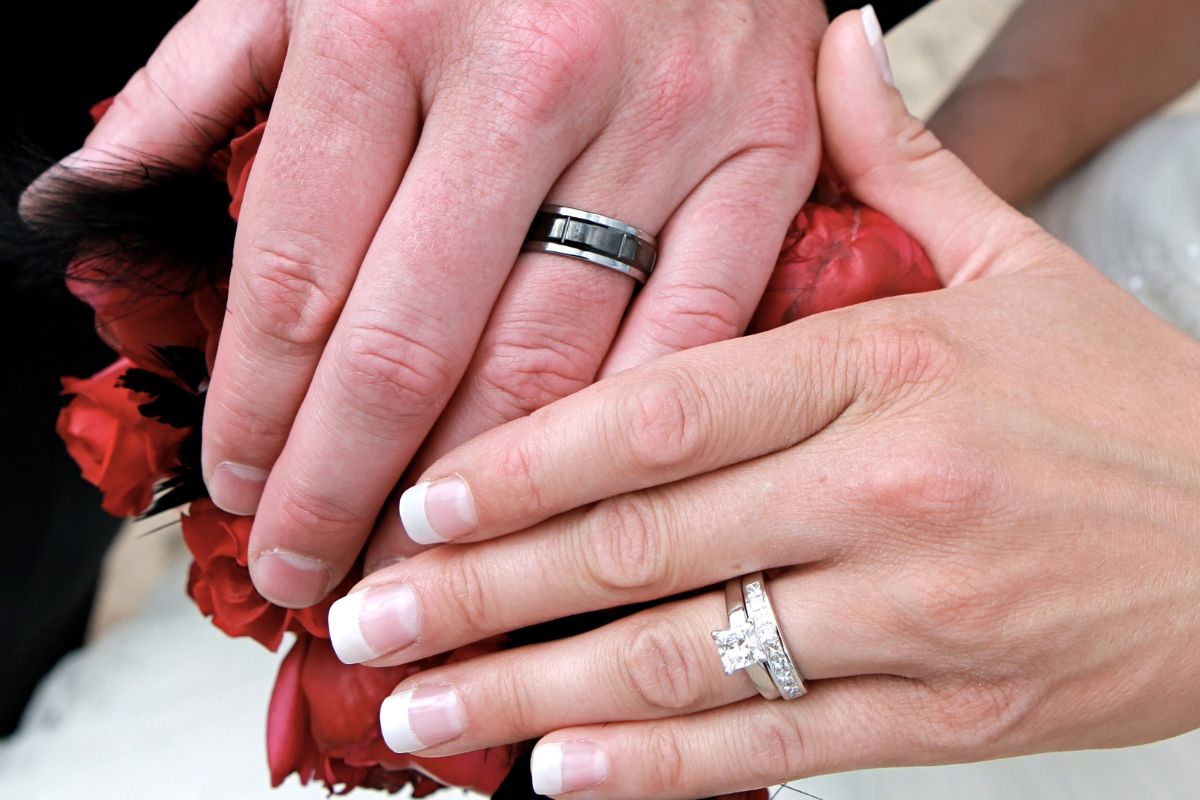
(978, 506)
(377, 285)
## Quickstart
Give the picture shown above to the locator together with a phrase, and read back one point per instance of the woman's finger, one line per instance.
(657, 663)
(221, 59)
(332, 157)
(852, 723)
(630, 549)
(683, 415)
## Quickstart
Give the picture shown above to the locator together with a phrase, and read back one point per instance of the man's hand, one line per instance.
(377, 283)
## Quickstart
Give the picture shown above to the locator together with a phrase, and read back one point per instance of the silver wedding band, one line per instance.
(754, 643)
(594, 238)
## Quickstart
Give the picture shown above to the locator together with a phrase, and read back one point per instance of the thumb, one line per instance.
(891, 162)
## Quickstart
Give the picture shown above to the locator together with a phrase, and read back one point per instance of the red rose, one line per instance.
(118, 449)
(219, 581)
(242, 151)
(839, 255)
(323, 725)
(133, 323)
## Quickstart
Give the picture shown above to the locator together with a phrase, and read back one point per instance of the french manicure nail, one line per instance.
(237, 488)
(559, 767)
(416, 719)
(438, 511)
(874, 31)
(367, 624)
(290, 579)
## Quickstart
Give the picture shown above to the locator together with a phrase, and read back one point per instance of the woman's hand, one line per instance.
(980, 506)
(409, 146)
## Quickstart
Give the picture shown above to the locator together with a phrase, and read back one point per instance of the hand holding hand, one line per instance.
(979, 504)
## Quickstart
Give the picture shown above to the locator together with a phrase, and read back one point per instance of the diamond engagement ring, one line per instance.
(597, 239)
(753, 641)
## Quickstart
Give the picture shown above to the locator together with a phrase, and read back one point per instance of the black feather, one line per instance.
(162, 230)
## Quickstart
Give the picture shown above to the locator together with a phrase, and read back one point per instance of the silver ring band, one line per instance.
(753, 641)
(595, 238)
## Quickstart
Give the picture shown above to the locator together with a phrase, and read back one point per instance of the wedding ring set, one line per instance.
(753, 641)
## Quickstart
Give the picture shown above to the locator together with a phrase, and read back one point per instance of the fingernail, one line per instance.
(237, 488)
(438, 511)
(874, 30)
(415, 719)
(289, 579)
(560, 767)
(383, 563)
(365, 625)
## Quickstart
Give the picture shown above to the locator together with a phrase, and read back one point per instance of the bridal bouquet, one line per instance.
(150, 251)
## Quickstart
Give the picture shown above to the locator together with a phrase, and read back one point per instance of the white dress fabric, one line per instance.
(165, 706)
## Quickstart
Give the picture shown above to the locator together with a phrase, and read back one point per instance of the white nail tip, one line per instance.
(870, 21)
(345, 632)
(412, 516)
(545, 767)
(395, 724)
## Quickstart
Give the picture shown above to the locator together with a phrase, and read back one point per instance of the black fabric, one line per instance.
(891, 12)
(58, 60)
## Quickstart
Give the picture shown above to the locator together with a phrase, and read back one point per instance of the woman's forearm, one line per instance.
(1061, 79)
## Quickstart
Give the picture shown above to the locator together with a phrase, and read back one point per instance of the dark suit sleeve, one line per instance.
(891, 13)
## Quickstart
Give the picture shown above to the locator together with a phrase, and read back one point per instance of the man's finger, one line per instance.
(718, 253)
(332, 157)
(406, 334)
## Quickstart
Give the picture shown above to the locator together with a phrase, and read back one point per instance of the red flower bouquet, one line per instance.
(134, 431)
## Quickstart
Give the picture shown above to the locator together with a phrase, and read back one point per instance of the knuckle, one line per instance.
(918, 144)
(288, 301)
(664, 424)
(350, 38)
(517, 465)
(517, 701)
(234, 423)
(662, 672)
(953, 607)
(790, 130)
(546, 52)
(679, 87)
(626, 551)
(532, 367)
(688, 314)
(781, 749)
(925, 477)
(392, 375)
(309, 511)
(465, 586)
(138, 93)
(971, 717)
(902, 353)
(665, 761)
